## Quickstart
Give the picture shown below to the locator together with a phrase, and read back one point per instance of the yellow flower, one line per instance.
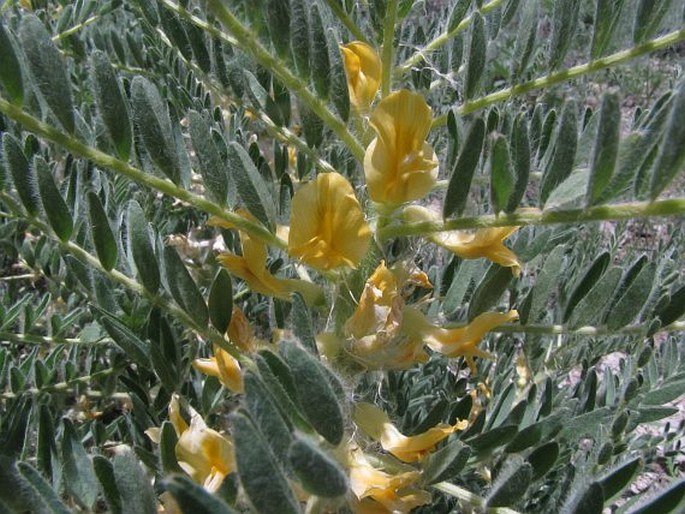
(458, 342)
(327, 226)
(251, 268)
(487, 242)
(399, 165)
(378, 492)
(363, 68)
(376, 424)
(203, 453)
(375, 329)
(223, 366)
(240, 332)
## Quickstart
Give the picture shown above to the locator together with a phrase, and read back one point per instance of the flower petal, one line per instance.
(363, 68)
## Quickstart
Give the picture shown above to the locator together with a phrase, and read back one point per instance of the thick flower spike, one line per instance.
(363, 68)
(327, 225)
(486, 242)
(400, 166)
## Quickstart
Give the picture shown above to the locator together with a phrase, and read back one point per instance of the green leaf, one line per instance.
(320, 65)
(11, 77)
(193, 498)
(464, 168)
(319, 473)
(154, 127)
(591, 276)
(101, 231)
(263, 481)
(543, 458)
(510, 486)
(41, 490)
(667, 501)
(78, 469)
(592, 306)
(212, 168)
(525, 38)
(526, 438)
(141, 247)
(105, 475)
(45, 446)
(460, 285)
(314, 392)
(606, 19)
(221, 301)
(124, 338)
(489, 290)
(339, 92)
(183, 288)
(564, 22)
(586, 501)
(492, 439)
(167, 449)
(651, 414)
(501, 174)
(561, 163)
(196, 38)
(277, 14)
(49, 70)
(251, 187)
(648, 18)
(477, 56)
(136, 490)
(545, 283)
(275, 427)
(299, 36)
(674, 309)
(457, 14)
(633, 299)
(671, 156)
(520, 157)
(302, 324)
(446, 463)
(617, 479)
(22, 175)
(111, 103)
(586, 424)
(53, 203)
(664, 394)
(312, 126)
(174, 30)
(605, 150)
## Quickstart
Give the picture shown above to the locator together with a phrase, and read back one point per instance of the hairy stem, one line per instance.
(533, 216)
(345, 19)
(388, 46)
(47, 340)
(565, 75)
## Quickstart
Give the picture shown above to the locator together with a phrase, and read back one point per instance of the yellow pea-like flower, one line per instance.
(378, 492)
(363, 68)
(376, 424)
(327, 225)
(223, 366)
(204, 454)
(457, 342)
(400, 166)
(486, 242)
(251, 268)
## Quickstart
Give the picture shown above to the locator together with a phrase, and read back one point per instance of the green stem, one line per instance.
(66, 387)
(569, 74)
(76, 28)
(388, 46)
(443, 38)
(470, 498)
(47, 340)
(165, 186)
(533, 216)
(512, 328)
(247, 42)
(344, 18)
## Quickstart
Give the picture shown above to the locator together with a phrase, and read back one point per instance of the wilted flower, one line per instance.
(375, 329)
(203, 453)
(363, 68)
(376, 424)
(327, 226)
(251, 267)
(378, 492)
(457, 342)
(400, 166)
(486, 242)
